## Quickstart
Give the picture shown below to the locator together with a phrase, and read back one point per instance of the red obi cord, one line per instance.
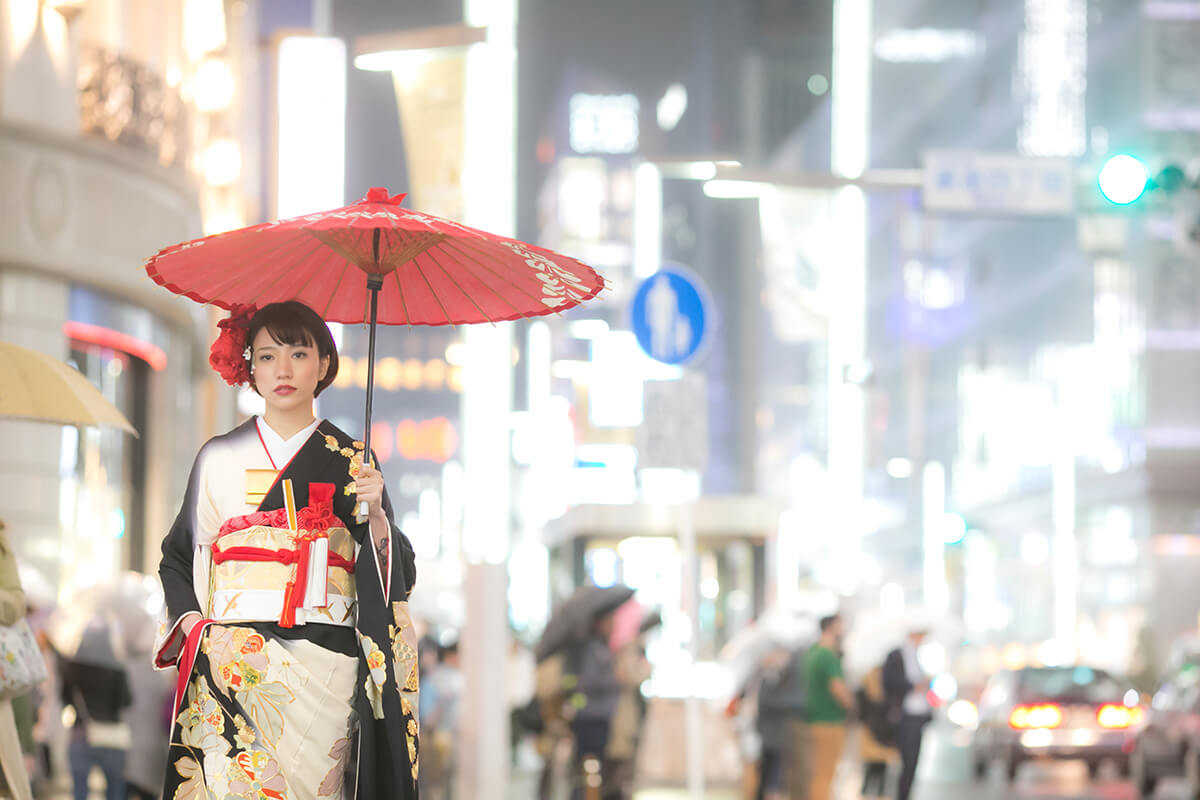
(314, 521)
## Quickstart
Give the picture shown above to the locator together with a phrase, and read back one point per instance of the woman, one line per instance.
(15, 780)
(290, 626)
(875, 735)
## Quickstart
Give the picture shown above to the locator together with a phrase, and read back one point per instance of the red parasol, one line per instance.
(374, 261)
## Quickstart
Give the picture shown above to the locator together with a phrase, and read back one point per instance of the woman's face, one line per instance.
(285, 375)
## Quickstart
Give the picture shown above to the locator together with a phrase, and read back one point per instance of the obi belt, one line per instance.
(288, 566)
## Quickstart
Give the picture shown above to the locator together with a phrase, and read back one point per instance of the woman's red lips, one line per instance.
(284, 389)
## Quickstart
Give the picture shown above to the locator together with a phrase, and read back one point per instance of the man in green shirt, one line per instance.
(829, 700)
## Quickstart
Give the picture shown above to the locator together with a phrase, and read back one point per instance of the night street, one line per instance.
(944, 775)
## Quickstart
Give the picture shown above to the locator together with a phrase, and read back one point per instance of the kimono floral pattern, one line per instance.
(241, 673)
(332, 783)
(376, 674)
(230, 731)
(354, 453)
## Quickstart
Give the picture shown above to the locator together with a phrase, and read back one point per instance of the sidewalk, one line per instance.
(522, 786)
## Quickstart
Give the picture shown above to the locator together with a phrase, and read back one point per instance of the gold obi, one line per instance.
(264, 573)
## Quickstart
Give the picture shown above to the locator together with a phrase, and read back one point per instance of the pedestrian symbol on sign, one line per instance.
(671, 315)
(670, 331)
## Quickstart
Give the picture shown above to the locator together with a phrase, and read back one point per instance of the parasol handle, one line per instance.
(374, 284)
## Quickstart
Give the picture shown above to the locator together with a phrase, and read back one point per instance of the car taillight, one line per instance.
(1043, 716)
(1114, 716)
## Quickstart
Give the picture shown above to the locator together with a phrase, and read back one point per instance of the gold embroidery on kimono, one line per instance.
(405, 662)
(258, 483)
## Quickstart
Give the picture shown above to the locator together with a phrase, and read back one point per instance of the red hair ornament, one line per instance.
(230, 353)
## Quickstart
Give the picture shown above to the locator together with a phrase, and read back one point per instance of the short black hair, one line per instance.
(295, 324)
(827, 622)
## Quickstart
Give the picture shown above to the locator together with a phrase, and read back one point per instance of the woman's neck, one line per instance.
(288, 423)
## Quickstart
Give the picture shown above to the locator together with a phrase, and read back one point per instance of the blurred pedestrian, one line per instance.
(829, 701)
(443, 721)
(906, 688)
(94, 682)
(550, 694)
(12, 610)
(741, 709)
(876, 734)
(625, 730)
(591, 673)
(523, 712)
(292, 655)
(782, 699)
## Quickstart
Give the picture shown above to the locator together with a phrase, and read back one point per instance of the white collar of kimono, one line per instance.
(283, 450)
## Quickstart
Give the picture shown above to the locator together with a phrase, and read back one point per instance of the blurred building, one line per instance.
(1029, 428)
(109, 115)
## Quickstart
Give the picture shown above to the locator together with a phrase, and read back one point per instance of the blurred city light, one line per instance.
(402, 63)
(606, 124)
(212, 86)
(954, 528)
(928, 45)
(221, 222)
(311, 93)
(647, 220)
(1052, 78)
(964, 714)
(587, 328)
(1123, 179)
(722, 189)
(203, 27)
(944, 686)
(671, 106)
(899, 468)
(222, 162)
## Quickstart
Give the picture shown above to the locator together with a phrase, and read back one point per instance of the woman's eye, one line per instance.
(265, 357)
(300, 354)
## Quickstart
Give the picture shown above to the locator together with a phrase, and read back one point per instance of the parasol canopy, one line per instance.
(429, 270)
(39, 388)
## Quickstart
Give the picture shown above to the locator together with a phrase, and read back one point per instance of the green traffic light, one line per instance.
(1123, 179)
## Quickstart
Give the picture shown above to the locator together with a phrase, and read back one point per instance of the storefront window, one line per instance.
(103, 472)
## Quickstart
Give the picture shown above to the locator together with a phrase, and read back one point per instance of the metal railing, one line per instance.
(128, 104)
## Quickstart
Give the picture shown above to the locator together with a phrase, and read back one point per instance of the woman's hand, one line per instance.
(369, 488)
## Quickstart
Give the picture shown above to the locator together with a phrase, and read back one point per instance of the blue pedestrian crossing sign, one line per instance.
(672, 315)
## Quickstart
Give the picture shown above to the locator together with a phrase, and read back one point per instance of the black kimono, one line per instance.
(305, 639)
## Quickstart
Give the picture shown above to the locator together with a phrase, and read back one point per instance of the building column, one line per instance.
(33, 308)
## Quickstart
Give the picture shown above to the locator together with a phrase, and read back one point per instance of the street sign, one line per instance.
(1001, 183)
(674, 429)
(672, 315)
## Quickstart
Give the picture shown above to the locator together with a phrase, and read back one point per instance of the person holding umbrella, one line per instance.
(288, 607)
(578, 676)
(286, 537)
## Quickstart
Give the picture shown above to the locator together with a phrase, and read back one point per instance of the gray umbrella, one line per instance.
(105, 624)
(573, 619)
